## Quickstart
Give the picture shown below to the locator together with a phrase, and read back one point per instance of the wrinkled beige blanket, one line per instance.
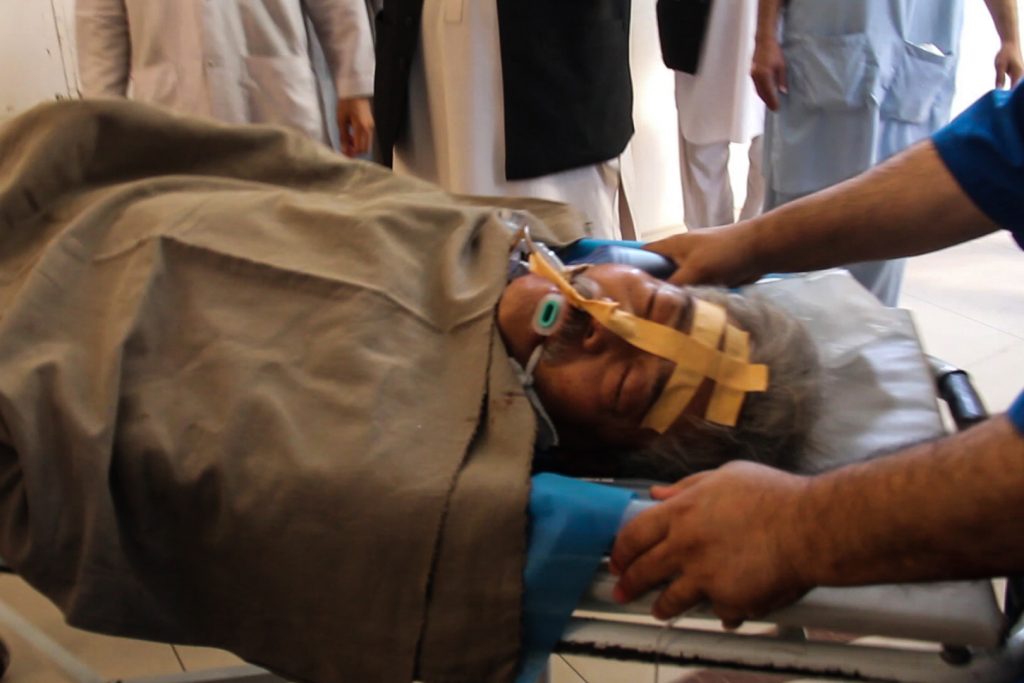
(252, 396)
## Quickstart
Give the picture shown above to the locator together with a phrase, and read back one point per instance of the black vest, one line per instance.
(567, 88)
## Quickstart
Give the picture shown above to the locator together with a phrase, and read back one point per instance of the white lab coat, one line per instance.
(456, 129)
(719, 103)
(240, 62)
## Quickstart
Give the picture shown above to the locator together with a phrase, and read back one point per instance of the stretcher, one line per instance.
(935, 632)
(915, 632)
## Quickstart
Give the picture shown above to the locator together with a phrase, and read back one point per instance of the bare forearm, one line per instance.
(1004, 17)
(768, 20)
(946, 510)
(908, 205)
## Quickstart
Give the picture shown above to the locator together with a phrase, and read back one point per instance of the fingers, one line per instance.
(661, 492)
(731, 624)
(637, 537)
(348, 142)
(764, 84)
(684, 273)
(361, 137)
(651, 569)
(668, 247)
(1000, 72)
(662, 246)
(680, 596)
(1015, 70)
(781, 79)
(355, 125)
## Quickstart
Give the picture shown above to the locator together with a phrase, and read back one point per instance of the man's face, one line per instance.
(590, 380)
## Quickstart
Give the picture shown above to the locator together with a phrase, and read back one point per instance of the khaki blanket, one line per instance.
(252, 397)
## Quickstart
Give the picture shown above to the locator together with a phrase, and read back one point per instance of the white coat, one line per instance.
(240, 62)
(719, 103)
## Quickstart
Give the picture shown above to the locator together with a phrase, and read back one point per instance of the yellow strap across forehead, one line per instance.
(696, 355)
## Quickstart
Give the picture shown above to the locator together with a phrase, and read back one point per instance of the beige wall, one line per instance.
(36, 53)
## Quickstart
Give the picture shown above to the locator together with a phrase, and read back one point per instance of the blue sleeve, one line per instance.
(572, 525)
(1016, 414)
(984, 150)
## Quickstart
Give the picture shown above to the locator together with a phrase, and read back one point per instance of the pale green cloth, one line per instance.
(253, 397)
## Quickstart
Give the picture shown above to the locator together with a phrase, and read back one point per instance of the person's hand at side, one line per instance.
(768, 70)
(720, 256)
(733, 536)
(355, 125)
(1009, 64)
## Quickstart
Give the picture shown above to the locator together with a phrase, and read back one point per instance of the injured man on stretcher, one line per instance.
(258, 397)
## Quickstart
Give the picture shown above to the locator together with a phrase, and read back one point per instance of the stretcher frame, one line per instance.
(965, 648)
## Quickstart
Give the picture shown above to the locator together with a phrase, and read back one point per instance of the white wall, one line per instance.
(36, 53)
(976, 73)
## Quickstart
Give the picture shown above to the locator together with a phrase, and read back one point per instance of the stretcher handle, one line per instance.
(955, 388)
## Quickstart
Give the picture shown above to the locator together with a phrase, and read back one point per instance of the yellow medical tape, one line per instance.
(724, 406)
(696, 355)
(706, 328)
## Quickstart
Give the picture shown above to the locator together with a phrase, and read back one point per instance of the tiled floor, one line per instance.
(111, 658)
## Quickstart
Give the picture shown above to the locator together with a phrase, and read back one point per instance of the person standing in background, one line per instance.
(239, 62)
(855, 81)
(528, 98)
(716, 106)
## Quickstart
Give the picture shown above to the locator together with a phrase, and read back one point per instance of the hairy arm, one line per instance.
(951, 509)
(909, 205)
(768, 67)
(751, 539)
(104, 47)
(1008, 60)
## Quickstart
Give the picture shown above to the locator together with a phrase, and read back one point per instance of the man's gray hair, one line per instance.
(773, 425)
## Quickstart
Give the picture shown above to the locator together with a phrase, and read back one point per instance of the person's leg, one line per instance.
(754, 203)
(707, 193)
(881, 278)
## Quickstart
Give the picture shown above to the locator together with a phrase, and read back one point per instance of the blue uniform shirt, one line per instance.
(984, 150)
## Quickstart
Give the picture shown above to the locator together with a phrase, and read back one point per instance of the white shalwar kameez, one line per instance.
(235, 61)
(456, 127)
(717, 106)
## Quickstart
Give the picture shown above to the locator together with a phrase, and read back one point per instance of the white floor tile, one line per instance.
(563, 672)
(1000, 377)
(980, 280)
(953, 337)
(595, 670)
(111, 658)
(202, 658)
(968, 304)
(612, 671)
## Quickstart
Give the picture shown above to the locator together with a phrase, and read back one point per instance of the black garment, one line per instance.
(567, 87)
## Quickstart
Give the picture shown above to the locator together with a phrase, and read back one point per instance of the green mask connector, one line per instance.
(549, 314)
